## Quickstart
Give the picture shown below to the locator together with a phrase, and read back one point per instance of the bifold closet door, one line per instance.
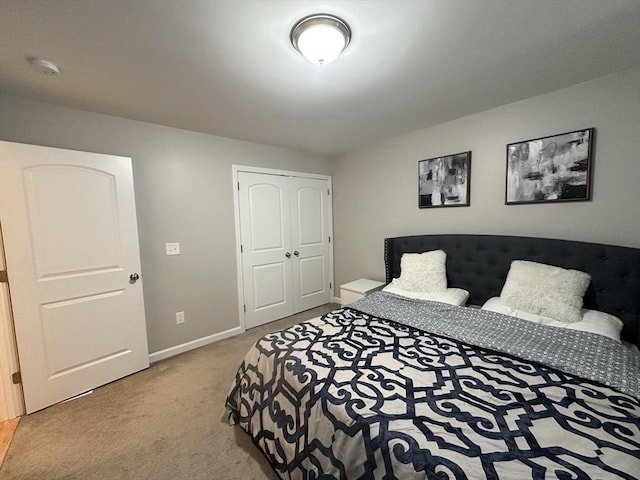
(284, 244)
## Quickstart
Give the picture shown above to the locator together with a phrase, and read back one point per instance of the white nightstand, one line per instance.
(352, 291)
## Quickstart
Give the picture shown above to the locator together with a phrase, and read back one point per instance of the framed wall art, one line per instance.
(550, 169)
(445, 181)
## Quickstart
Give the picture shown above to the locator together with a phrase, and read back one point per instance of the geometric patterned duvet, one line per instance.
(352, 396)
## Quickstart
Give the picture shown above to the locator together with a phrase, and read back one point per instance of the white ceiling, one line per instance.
(228, 68)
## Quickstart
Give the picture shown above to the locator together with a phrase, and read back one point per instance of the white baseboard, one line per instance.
(200, 342)
(337, 300)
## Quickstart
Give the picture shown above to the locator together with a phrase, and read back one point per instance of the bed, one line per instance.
(394, 387)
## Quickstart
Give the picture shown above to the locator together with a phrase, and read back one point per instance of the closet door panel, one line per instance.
(266, 240)
(310, 242)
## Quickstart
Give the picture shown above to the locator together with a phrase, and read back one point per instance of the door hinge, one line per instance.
(238, 186)
(244, 308)
(4, 278)
(16, 378)
(241, 250)
(330, 285)
(328, 192)
(329, 238)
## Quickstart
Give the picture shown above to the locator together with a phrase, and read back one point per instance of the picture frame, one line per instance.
(445, 181)
(557, 168)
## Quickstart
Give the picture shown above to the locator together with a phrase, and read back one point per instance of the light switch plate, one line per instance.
(172, 248)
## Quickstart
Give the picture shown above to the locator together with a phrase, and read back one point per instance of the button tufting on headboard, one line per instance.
(480, 263)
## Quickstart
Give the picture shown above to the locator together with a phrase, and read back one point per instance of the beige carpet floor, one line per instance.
(165, 422)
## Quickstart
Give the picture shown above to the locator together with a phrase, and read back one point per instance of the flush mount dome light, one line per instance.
(320, 38)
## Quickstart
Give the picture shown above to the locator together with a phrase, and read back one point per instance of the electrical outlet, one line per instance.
(172, 248)
(179, 318)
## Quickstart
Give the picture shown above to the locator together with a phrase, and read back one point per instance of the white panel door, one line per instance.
(266, 247)
(71, 244)
(310, 242)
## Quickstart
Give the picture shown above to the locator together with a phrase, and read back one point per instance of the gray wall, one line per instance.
(375, 189)
(184, 193)
(184, 190)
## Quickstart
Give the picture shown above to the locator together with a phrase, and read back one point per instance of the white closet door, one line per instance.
(310, 242)
(266, 247)
(71, 245)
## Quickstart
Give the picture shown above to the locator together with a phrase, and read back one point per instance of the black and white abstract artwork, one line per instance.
(444, 181)
(550, 169)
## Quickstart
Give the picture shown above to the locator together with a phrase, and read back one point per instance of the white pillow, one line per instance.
(545, 290)
(592, 320)
(452, 296)
(423, 272)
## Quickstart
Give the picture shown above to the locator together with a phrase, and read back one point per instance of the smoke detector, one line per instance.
(42, 65)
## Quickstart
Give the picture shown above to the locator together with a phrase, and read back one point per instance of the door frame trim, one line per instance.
(236, 211)
(11, 397)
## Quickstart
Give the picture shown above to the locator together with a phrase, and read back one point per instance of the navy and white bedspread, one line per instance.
(355, 396)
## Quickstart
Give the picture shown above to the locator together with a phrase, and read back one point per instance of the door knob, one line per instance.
(134, 277)
(296, 253)
(288, 255)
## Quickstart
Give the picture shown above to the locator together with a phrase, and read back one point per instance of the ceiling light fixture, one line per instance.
(321, 38)
(48, 67)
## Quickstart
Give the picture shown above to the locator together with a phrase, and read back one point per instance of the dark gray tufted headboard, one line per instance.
(480, 263)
